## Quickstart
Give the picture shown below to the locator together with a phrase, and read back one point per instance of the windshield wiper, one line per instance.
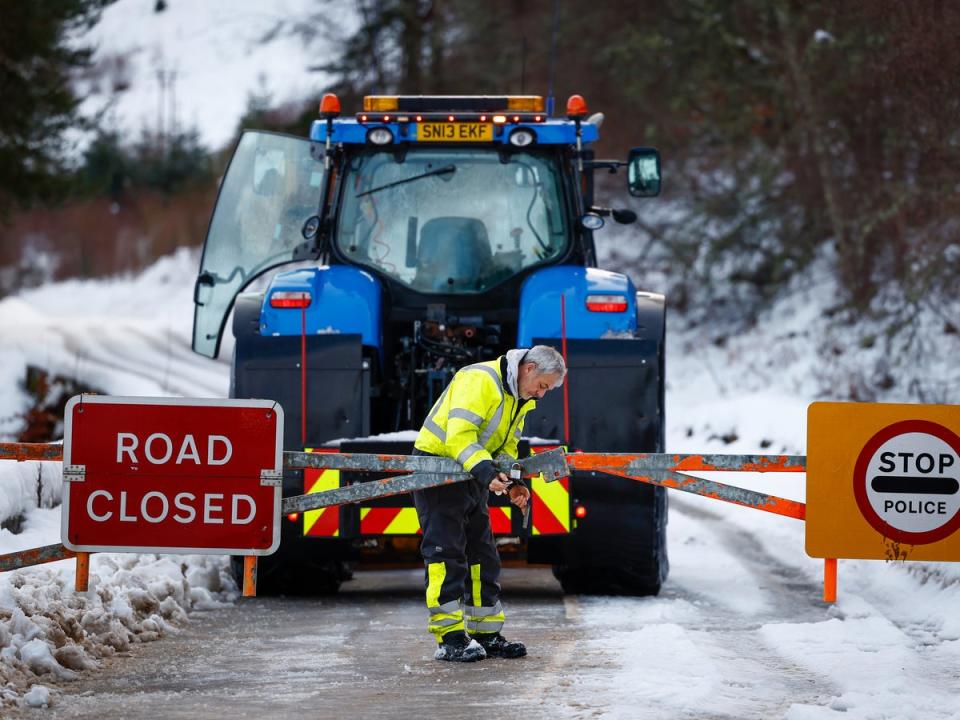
(438, 171)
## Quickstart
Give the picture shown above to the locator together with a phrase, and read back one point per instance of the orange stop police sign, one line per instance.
(883, 481)
(172, 475)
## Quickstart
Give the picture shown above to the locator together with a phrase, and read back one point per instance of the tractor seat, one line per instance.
(452, 249)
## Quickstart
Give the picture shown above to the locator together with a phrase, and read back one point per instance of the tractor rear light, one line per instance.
(580, 512)
(606, 303)
(363, 118)
(283, 299)
(499, 119)
(293, 517)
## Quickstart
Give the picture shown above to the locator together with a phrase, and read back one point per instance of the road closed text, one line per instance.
(184, 507)
(158, 449)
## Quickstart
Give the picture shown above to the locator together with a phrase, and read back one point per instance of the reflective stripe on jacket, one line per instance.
(476, 417)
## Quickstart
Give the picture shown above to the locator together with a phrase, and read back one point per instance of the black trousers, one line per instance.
(462, 564)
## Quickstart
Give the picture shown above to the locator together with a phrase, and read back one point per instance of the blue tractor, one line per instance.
(427, 233)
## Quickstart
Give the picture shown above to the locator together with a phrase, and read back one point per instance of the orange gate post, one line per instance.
(249, 575)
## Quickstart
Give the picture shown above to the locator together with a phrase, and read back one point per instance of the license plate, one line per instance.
(455, 132)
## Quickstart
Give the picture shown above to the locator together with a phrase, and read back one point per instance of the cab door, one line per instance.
(272, 186)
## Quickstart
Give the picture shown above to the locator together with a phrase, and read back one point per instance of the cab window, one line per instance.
(451, 220)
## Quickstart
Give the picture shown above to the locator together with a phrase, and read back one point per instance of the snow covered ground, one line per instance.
(891, 645)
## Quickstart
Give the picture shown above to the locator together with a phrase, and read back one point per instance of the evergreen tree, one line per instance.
(38, 54)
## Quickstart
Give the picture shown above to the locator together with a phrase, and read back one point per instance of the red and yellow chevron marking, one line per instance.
(550, 514)
(324, 522)
(501, 520)
(550, 511)
(389, 521)
(404, 521)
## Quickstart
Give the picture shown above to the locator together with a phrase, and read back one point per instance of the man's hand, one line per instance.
(499, 484)
(520, 496)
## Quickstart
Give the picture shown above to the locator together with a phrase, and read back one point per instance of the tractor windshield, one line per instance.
(450, 220)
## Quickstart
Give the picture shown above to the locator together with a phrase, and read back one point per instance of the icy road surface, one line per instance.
(735, 634)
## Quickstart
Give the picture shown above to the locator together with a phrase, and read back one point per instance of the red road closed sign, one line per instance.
(172, 475)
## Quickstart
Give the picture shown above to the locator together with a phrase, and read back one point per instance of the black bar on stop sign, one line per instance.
(914, 485)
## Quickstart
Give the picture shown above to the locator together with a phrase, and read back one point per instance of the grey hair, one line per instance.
(547, 360)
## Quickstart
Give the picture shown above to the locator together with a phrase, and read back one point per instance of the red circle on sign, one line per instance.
(860, 482)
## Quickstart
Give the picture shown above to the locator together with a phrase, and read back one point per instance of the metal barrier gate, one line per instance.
(668, 470)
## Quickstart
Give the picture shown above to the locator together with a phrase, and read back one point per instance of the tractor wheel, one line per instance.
(628, 556)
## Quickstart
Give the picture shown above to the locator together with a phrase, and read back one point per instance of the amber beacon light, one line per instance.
(576, 107)
(329, 106)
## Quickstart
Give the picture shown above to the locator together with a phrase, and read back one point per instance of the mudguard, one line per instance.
(344, 300)
(540, 311)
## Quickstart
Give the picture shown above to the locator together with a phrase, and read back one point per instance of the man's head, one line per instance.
(541, 369)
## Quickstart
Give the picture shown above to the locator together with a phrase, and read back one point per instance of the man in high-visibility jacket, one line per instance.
(477, 418)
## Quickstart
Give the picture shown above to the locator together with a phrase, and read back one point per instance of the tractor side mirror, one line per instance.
(643, 172)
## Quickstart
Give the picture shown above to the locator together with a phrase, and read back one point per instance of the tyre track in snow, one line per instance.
(696, 650)
(169, 344)
(860, 630)
(106, 353)
(733, 638)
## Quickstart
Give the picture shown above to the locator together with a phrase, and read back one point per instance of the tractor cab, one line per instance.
(440, 196)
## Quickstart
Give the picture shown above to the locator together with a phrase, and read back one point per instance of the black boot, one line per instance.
(496, 645)
(459, 647)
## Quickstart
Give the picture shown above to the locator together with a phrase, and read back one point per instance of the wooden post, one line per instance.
(249, 575)
(83, 572)
(830, 580)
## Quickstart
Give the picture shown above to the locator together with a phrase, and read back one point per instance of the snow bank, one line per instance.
(49, 633)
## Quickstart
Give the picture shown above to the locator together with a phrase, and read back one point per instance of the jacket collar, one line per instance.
(510, 370)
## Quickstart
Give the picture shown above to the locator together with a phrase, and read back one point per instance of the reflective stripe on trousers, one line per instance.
(483, 619)
(444, 618)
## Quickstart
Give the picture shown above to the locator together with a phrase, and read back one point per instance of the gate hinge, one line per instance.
(74, 473)
(271, 478)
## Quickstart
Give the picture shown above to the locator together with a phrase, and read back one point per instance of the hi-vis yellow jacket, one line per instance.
(476, 418)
